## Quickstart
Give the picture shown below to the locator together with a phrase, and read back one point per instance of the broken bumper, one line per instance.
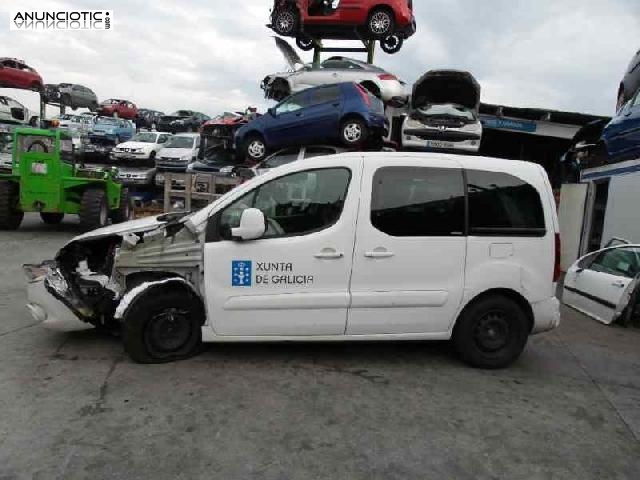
(49, 301)
(546, 315)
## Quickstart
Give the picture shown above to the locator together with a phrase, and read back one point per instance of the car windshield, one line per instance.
(447, 110)
(181, 113)
(107, 121)
(65, 117)
(180, 142)
(145, 137)
(280, 159)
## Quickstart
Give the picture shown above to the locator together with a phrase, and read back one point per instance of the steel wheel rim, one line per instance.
(380, 23)
(352, 132)
(169, 330)
(491, 332)
(256, 149)
(285, 21)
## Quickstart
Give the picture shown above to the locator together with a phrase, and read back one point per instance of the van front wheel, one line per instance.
(491, 332)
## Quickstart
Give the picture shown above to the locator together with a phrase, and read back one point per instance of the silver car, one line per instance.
(381, 83)
(71, 95)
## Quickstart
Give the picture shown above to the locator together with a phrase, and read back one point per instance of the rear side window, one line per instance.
(418, 202)
(501, 204)
(324, 95)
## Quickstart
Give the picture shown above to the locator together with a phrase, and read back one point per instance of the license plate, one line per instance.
(439, 144)
(39, 168)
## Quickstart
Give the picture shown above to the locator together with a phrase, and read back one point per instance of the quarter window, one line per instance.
(418, 202)
(324, 95)
(296, 204)
(501, 204)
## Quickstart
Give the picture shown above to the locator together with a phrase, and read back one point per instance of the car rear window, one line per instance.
(502, 204)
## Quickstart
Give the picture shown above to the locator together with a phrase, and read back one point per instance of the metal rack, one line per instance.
(369, 48)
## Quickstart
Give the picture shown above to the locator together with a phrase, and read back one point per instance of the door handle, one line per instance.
(379, 254)
(329, 254)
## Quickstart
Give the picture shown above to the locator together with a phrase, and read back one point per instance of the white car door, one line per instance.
(295, 280)
(409, 257)
(595, 285)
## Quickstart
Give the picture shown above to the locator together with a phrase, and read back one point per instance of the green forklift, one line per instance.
(48, 176)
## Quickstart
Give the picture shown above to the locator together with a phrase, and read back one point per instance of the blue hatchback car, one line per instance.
(344, 112)
(621, 136)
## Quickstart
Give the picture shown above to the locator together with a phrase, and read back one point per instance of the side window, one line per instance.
(294, 205)
(501, 204)
(294, 104)
(163, 139)
(636, 101)
(617, 261)
(324, 95)
(418, 202)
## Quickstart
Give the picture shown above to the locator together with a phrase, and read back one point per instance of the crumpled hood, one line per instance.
(447, 86)
(174, 152)
(139, 225)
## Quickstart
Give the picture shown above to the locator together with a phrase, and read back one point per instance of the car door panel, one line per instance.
(405, 284)
(284, 286)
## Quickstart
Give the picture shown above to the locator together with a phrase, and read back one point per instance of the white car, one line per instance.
(142, 146)
(602, 283)
(79, 123)
(181, 150)
(379, 82)
(444, 113)
(12, 111)
(348, 247)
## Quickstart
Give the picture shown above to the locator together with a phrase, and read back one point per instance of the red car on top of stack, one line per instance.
(390, 21)
(121, 108)
(15, 73)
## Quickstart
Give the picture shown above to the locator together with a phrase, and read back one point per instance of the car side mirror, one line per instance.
(253, 225)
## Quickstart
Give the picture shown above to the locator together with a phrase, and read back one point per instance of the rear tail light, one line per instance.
(556, 267)
(365, 95)
(387, 76)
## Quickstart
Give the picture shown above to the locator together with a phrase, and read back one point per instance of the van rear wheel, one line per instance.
(94, 211)
(491, 332)
(10, 216)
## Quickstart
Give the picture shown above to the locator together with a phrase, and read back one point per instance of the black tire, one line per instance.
(353, 132)
(163, 325)
(285, 21)
(491, 332)
(381, 23)
(392, 44)
(124, 211)
(305, 43)
(94, 210)
(255, 148)
(10, 216)
(66, 100)
(51, 218)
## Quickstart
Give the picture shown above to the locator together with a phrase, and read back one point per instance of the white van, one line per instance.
(356, 246)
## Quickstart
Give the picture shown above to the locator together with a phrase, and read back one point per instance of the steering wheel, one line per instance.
(273, 228)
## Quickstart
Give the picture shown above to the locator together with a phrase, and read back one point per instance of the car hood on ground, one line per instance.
(174, 152)
(447, 86)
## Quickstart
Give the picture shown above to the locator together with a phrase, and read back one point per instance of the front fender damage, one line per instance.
(97, 277)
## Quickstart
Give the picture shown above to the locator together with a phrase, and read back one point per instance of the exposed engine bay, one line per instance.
(91, 274)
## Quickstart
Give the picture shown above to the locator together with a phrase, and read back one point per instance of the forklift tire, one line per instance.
(51, 218)
(10, 216)
(124, 212)
(94, 211)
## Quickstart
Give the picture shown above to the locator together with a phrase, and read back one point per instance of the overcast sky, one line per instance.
(210, 55)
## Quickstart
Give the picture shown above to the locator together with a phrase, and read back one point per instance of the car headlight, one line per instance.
(186, 158)
(226, 170)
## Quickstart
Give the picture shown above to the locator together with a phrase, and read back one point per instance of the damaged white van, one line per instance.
(444, 113)
(355, 246)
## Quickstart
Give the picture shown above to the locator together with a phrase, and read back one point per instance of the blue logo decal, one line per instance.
(240, 273)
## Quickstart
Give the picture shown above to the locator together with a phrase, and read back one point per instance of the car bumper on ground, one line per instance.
(50, 311)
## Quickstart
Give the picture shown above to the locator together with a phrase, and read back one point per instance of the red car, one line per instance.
(15, 73)
(390, 21)
(123, 108)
